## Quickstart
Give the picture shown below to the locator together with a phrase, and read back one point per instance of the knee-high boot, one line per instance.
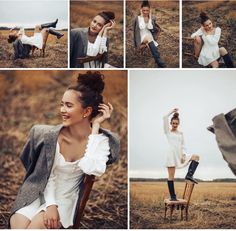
(156, 55)
(191, 170)
(50, 24)
(56, 33)
(171, 188)
(228, 61)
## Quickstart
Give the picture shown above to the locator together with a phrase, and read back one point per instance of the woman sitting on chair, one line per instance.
(40, 34)
(91, 41)
(206, 46)
(57, 158)
(145, 29)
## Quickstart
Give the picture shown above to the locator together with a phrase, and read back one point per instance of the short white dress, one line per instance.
(98, 47)
(35, 40)
(145, 29)
(62, 187)
(210, 49)
(176, 154)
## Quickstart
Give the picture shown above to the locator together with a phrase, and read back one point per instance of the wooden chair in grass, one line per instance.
(183, 203)
(42, 51)
(189, 51)
(100, 59)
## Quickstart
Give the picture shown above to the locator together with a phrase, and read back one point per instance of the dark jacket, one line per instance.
(79, 45)
(224, 128)
(136, 29)
(21, 51)
(38, 157)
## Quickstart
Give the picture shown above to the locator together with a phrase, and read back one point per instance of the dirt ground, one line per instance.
(212, 206)
(222, 14)
(33, 97)
(81, 14)
(167, 13)
(55, 53)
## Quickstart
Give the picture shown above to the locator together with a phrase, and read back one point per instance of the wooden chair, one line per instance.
(88, 59)
(182, 204)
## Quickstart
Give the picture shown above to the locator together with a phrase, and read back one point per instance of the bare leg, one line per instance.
(223, 51)
(197, 45)
(37, 222)
(37, 29)
(171, 173)
(19, 221)
(45, 33)
(195, 157)
(215, 64)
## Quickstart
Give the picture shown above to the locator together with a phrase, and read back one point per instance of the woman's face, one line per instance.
(97, 24)
(72, 111)
(207, 25)
(145, 10)
(174, 123)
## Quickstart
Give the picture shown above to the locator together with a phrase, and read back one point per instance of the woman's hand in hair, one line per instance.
(173, 111)
(51, 218)
(107, 27)
(105, 113)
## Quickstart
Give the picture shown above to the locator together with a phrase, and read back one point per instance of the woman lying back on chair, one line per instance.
(57, 158)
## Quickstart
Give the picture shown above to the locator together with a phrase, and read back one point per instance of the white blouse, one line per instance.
(62, 187)
(145, 29)
(210, 49)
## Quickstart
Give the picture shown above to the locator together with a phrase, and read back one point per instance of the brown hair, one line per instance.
(175, 117)
(107, 15)
(91, 86)
(203, 17)
(11, 38)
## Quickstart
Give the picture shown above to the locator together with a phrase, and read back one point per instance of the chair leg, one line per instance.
(186, 213)
(182, 208)
(165, 210)
(171, 211)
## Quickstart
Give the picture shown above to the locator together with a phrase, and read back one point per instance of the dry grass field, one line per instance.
(33, 97)
(213, 205)
(167, 13)
(222, 14)
(55, 53)
(82, 13)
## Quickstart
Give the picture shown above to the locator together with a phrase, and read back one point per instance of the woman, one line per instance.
(91, 41)
(176, 156)
(40, 33)
(206, 46)
(56, 158)
(145, 30)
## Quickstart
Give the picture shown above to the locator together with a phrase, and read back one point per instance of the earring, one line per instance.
(84, 116)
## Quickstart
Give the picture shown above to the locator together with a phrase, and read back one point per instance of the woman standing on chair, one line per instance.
(56, 158)
(91, 41)
(40, 33)
(176, 155)
(145, 30)
(206, 46)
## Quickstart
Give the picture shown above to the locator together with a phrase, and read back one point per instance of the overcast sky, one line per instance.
(199, 95)
(28, 13)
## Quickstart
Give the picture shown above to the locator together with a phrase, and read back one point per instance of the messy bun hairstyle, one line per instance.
(203, 17)
(175, 116)
(91, 86)
(107, 15)
(145, 4)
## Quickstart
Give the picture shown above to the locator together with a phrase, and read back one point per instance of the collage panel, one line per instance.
(152, 34)
(33, 34)
(182, 149)
(208, 34)
(59, 114)
(96, 37)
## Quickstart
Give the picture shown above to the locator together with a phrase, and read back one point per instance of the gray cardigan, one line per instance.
(136, 29)
(79, 45)
(38, 157)
(224, 128)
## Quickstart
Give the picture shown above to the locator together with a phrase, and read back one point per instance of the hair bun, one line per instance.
(203, 16)
(145, 4)
(92, 80)
(176, 115)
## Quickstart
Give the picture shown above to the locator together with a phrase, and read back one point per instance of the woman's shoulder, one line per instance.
(39, 130)
(218, 29)
(79, 31)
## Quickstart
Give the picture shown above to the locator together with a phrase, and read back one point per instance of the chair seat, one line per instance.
(178, 202)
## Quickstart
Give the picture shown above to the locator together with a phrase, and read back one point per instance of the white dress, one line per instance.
(98, 47)
(145, 29)
(62, 187)
(176, 155)
(35, 40)
(210, 49)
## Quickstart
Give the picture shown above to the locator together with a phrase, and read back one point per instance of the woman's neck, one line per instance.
(80, 131)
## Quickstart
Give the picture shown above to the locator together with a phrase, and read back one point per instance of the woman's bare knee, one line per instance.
(19, 221)
(198, 40)
(195, 157)
(215, 64)
(37, 222)
(223, 51)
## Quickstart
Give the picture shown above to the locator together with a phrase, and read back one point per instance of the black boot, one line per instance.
(171, 190)
(56, 33)
(50, 24)
(228, 61)
(156, 55)
(191, 169)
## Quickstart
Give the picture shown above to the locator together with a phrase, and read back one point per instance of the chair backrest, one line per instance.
(81, 203)
(188, 190)
(100, 58)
